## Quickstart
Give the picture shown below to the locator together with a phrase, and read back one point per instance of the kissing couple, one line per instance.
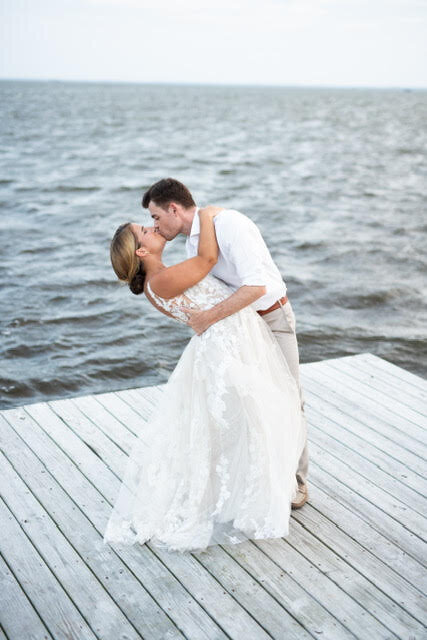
(223, 457)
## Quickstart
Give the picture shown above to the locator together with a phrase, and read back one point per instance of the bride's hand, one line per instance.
(210, 211)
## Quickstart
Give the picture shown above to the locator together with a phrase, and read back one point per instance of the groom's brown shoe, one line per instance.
(301, 496)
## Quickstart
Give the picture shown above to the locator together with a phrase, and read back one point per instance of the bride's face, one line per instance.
(148, 238)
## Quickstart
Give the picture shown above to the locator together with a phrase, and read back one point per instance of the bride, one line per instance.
(216, 461)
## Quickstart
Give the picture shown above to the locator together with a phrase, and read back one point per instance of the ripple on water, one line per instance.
(334, 179)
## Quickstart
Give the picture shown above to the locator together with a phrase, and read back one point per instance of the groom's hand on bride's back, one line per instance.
(199, 321)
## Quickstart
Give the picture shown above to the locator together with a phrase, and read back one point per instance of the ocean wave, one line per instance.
(337, 191)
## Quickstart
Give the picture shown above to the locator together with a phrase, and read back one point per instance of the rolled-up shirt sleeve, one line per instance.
(241, 242)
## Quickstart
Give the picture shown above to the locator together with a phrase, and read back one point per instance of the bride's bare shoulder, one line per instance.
(149, 293)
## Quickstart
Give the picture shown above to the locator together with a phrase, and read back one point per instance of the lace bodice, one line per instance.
(216, 461)
(203, 295)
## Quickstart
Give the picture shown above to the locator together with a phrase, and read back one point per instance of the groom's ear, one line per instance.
(173, 209)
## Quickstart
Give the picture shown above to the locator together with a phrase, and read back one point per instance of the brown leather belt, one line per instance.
(274, 306)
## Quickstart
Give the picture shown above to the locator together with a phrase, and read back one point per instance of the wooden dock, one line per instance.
(353, 565)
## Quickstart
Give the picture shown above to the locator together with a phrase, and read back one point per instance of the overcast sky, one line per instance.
(281, 42)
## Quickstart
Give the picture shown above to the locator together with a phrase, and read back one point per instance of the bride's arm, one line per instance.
(208, 246)
(174, 280)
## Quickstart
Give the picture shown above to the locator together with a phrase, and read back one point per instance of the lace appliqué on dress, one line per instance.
(223, 442)
(173, 305)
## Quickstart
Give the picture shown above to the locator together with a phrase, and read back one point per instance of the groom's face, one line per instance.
(166, 221)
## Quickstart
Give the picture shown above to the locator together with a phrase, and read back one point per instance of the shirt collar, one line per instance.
(195, 227)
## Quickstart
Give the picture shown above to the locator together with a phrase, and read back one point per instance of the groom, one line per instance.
(245, 264)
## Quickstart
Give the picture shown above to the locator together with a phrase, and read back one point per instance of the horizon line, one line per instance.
(215, 84)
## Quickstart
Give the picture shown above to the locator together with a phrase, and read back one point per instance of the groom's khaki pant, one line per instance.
(282, 322)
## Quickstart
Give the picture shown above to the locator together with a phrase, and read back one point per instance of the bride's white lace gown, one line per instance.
(216, 461)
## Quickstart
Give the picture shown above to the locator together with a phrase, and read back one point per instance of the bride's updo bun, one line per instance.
(136, 285)
(126, 264)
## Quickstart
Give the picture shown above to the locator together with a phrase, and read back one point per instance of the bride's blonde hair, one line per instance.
(126, 264)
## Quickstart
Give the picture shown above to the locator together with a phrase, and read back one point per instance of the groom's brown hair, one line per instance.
(168, 190)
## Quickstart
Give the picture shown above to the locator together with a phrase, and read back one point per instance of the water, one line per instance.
(335, 179)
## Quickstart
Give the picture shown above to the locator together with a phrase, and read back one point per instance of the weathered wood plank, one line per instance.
(277, 620)
(361, 506)
(370, 596)
(89, 596)
(145, 405)
(401, 391)
(48, 597)
(359, 620)
(88, 432)
(352, 566)
(121, 410)
(242, 592)
(68, 442)
(155, 577)
(338, 525)
(411, 467)
(364, 487)
(19, 619)
(384, 478)
(57, 406)
(269, 579)
(248, 592)
(393, 370)
(381, 570)
(394, 427)
(198, 584)
(401, 417)
(152, 394)
(368, 511)
(412, 409)
(112, 427)
(346, 573)
(63, 410)
(129, 597)
(407, 482)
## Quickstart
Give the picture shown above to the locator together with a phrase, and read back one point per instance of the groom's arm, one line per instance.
(199, 321)
(238, 239)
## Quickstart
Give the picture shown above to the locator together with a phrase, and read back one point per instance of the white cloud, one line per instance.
(175, 5)
(371, 42)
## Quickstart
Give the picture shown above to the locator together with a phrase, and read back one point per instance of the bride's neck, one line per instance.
(153, 265)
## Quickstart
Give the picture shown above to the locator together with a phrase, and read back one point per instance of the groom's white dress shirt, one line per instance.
(244, 258)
